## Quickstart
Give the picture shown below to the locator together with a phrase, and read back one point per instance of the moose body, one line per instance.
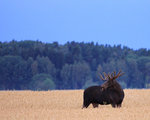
(108, 93)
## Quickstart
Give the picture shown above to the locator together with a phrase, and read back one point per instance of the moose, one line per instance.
(110, 92)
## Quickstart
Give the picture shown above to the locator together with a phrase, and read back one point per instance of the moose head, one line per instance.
(111, 80)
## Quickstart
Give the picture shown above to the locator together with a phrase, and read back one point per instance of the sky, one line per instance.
(114, 22)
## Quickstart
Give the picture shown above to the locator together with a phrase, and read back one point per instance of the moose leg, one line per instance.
(118, 105)
(113, 105)
(86, 104)
(94, 105)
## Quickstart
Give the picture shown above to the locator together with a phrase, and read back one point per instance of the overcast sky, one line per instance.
(125, 22)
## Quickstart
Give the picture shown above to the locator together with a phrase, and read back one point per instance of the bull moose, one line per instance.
(110, 92)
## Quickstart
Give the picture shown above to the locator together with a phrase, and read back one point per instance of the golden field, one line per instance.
(67, 104)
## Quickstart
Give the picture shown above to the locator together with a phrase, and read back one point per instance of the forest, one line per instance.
(35, 65)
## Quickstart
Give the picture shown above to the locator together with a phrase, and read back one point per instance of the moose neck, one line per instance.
(116, 86)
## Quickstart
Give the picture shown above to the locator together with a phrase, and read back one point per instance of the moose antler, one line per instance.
(105, 76)
(114, 76)
(111, 76)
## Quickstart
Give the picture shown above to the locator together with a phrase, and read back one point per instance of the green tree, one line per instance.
(80, 73)
(74, 76)
(42, 82)
(13, 72)
(66, 77)
(44, 65)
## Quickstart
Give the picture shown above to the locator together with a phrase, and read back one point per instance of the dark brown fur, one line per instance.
(108, 93)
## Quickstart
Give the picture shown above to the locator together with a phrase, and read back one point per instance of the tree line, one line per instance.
(36, 65)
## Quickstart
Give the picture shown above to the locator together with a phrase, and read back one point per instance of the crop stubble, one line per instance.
(67, 104)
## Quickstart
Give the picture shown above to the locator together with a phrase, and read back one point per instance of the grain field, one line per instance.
(67, 104)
